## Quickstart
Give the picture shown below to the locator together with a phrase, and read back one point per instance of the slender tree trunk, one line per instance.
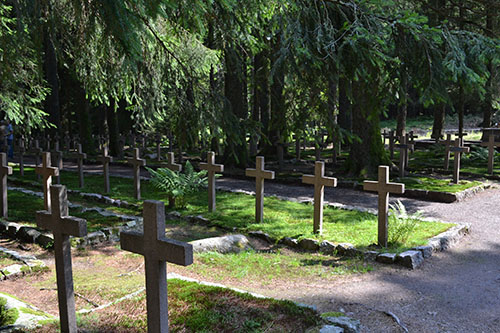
(112, 120)
(261, 93)
(52, 106)
(439, 119)
(345, 114)
(488, 100)
(278, 118)
(461, 111)
(403, 104)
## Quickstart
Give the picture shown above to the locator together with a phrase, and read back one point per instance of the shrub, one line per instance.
(7, 316)
(179, 185)
(401, 224)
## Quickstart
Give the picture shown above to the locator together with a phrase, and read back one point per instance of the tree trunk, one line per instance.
(344, 117)
(112, 120)
(488, 100)
(260, 112)
(403, 104)
(52, 106)
(277, 130)
(439, 118)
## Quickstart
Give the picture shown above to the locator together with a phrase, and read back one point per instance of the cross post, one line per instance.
(403, 147)
(391, 143)
(491, 144)
(5, 170)
(46, 171)
(447, 144)
(260, 174)
(137, 162)
(80, 156)
(105, 159)
(411, 139)
(63, 226)
(58, 161)
(157, 251)
(383, 187)
(22, 150)
(212, 168)
(174, 167)
(457, 149)
(319, 181)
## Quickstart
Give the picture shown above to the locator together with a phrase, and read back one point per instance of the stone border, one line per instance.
(26, 320)
(29, 263)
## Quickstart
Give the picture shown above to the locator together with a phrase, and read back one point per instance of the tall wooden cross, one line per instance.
(80, 156)
(447, 144)
(383, 187)
(212, 168)
(411, 139)
(491, 144)
(319, 181)
(48, 142)
(174, 167)
(260, 174)
(5, 170)
(457, 149)
(22, 150)
(105, 159)
(391, 143)
(137, 162)
(157, 251)
(58, 161)
(46, 171)
(403, 147)
(63, 226)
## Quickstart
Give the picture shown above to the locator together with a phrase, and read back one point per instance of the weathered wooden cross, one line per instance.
(212, 168)
(319, 181)
(137, 162)
(157, 251)
(457, 151)
(105, 159)
(411, 139)
(491, 144)
(46, 171)
(174, 167)
(22, 150)
(260, 174)
(403, 147)
(58, 161)
(447, 144)
(63, 226)
(80, 156)
(383, 187)
(5, 170)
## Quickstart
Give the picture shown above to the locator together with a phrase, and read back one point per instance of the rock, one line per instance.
(92, 238)
(327, 247)
(12, 229)
(200, 219)
(131, 224)
(28, 234)
(288, 241)
(348, 324)
(411, 259)
(4, 226)
(386, 258)
(173, 215)
(346, 249)
(370, 255)
(331, 329)
(45, 241)
(224, 244)
(262, 235)
(12, 270)
(27, 319)
(309, 244)
(426, 251)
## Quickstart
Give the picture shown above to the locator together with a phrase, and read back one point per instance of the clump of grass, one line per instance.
(7, 316)
(401, 224)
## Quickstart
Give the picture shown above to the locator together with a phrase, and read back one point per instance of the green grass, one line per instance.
(6, 260)
(438, 185)
(7, 317)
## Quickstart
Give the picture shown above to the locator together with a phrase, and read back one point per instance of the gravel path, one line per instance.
(454, 291)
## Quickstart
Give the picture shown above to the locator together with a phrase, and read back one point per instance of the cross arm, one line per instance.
(487, 144)
(74, 226)
(9, 170)
(44, 219)
(329, 181)
(251, 172)
(132, 241)
(460, 149)
(308, 179)
(370, 185)
(174, 251)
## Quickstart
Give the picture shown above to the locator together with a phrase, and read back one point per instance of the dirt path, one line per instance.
(454, 291)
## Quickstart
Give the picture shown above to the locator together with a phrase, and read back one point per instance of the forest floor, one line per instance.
(454, 291)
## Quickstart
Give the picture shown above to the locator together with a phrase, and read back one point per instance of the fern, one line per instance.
(401, 224)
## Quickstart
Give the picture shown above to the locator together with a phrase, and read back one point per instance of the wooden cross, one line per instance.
(121, 145)
(391, 143)
(411, 139)
(319, 181)
(46, 172)
(212, 168)
(157, 251)
(67, 141)
(5, 170)
(58, 162)
(447, 144)
(105, 159)
(383, 187)
(491, 144)
(174, 167)
(457, 149)
(22, 150)
(48, 142)
(260, 174)
(80, 156)
(403, 151)
(137, 162)
(63, 226)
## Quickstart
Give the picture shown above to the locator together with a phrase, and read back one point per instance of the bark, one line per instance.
(439, 119)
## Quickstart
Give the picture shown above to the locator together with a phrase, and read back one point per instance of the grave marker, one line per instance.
(458, 150)
(391, 143)
(63, 226)
(319, 181)
(260, 174)
(137, 162)
(105, 159)
(46, 171)
(491, 144)
(411, 139)
(157, 251)
(403, 151)
(212, 168)
(22, 150)
(383, 187)
(58, 162)
(5, 170)
(174, 167)
(80, 156)
(447, 144)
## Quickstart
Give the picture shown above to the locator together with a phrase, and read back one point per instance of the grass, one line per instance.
(6, 260)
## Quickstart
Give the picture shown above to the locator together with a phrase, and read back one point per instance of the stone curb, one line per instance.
(25, 320)
(28, 263)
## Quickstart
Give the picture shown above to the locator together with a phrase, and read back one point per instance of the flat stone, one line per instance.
(309, 244)
(173, 215)
(224, 244)
(45, 240)
(26, 319)
(370, 255)
(327, 247)
(349, 325)
(28, 234)
(13, 229)
(386, 258)
(331, 329)
(426, 251)
(411, 259)
(93, 238)
(288, 241)
(262, 235)
(12, 270)
(346, 249)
